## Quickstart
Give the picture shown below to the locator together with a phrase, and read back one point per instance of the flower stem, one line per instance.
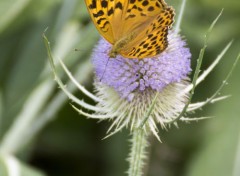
(138, 153)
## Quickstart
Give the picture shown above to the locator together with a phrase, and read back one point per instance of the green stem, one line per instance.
(138, 154)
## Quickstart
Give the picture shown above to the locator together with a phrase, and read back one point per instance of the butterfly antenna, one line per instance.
(105, 65)
(104, 70)
(86, 50)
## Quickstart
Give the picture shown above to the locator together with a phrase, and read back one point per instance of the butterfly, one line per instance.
(135, 28)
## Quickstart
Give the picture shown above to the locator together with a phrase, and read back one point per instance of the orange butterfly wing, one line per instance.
(98, 11)
(151, 40)
(118, 19)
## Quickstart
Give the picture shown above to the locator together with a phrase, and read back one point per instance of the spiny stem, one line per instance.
(149, 111)
(138, 153)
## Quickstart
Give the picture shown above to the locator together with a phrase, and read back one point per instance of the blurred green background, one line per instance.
(42, 131)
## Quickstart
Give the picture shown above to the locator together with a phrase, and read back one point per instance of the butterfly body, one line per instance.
(135, 28)
(120, 44)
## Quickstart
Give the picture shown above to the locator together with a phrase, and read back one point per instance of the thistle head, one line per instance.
(128, 86)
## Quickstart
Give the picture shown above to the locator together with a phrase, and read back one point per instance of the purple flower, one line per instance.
(131, 76)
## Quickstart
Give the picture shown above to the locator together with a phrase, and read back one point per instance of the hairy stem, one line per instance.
(138, 154)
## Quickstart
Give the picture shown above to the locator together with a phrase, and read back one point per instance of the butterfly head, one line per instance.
(119, 45)
(113, 53)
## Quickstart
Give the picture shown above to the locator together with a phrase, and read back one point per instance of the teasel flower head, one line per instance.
(129, 86)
